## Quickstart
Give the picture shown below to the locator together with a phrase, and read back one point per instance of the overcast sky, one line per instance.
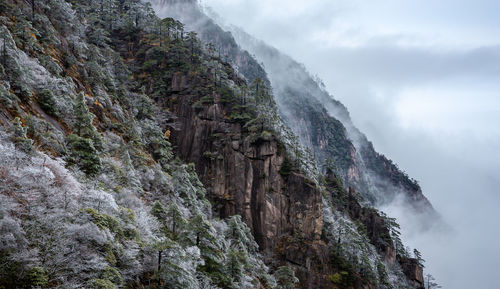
(422, 80)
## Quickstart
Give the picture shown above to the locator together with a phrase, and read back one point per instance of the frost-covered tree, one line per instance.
(211, 248)
(83, 117)
(177, 222)
(285, 276)
(235, 264)
(240, 235)
(47, 102)
(19, 136)
(83, 121)
(156, 142)
(382, 275)
(418, 256)
(26, 36)
(83, 153)
(430, 283)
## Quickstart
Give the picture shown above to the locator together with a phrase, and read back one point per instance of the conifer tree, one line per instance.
(235, 264)
(240, 234)
(177, 221)
(83, 121)
(285, 277)
(83, 153)
(430, 283)
(382, 275)
(83, 117)
(210, 247)
(418, 256)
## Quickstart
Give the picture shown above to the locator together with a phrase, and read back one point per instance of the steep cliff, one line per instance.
(353, 155)
(144, 158)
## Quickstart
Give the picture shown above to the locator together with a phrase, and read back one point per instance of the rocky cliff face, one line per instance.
(242, 173)
(376, 227)
(414, 272)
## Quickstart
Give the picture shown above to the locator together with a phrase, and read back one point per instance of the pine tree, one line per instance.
(192, 38)
(240, 235)
(394, 229)
(430, 283)
(177, 221)
(83, 117)
(235, 264)
(382, 275)
(418, 256)
(83, 122)
(210, 246)
(24, 34)
(172, 219)
(159, 211)
(285, 277)
(83, 153)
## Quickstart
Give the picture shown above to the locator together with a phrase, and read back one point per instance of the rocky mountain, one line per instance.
(321, 122)
(144, 151)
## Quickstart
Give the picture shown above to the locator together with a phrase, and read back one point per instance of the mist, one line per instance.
(422, 81)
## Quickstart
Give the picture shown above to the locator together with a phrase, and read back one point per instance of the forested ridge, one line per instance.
(134, 155)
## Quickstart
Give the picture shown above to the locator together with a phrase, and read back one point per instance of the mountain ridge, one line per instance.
(134, 155)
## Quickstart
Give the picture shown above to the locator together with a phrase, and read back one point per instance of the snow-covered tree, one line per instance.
(240, 235)
(19, 136)
(285, 277)
(418, 256)
(430, 283)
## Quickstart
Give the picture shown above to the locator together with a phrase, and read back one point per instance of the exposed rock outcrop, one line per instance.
(413, 271)
(242, 174)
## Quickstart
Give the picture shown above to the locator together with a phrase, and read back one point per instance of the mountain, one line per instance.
(135, 154)
(324, 124)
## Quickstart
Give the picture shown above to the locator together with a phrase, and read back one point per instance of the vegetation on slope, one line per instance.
(92, 193)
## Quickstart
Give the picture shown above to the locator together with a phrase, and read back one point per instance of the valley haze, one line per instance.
(422, 80)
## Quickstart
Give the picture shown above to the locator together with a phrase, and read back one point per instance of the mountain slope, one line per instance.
(134, 155)
(373, 174)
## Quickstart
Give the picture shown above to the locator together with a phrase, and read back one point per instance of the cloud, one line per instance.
(422, 80)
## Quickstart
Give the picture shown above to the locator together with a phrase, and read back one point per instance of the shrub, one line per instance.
(103, 284)
(240, 117)
(36, 277)
(286, 167)
(19, 136)
(112, 275)
(104, 221)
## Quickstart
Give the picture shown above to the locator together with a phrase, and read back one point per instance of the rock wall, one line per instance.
(413, 271)
(242, 172)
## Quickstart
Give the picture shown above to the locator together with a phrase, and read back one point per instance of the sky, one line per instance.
(422, 80)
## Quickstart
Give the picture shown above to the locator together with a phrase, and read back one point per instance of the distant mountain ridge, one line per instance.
(321, 122)
(373, 174)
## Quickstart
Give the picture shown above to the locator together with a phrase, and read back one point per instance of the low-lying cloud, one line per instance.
(422, 80)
